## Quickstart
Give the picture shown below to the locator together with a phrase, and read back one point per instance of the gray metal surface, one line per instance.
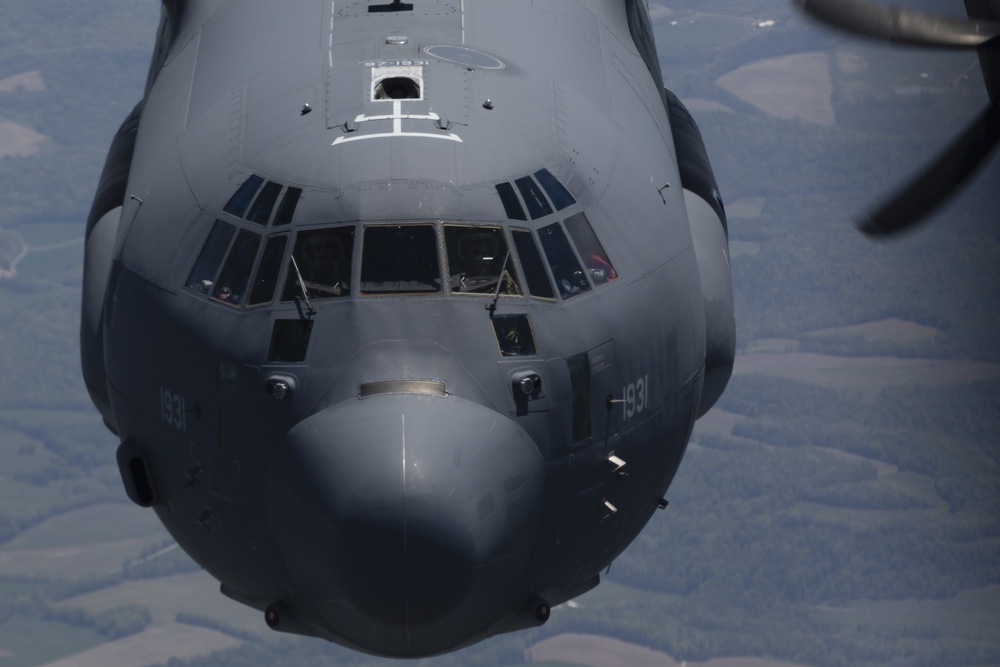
(410, 432)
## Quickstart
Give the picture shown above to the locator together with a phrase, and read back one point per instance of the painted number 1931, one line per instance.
(172, 409)
(635, 397)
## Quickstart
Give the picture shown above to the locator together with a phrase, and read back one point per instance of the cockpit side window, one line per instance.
(324, 258)
(267, 272)
(591, 251)
(534, 198)
(478, 261)
(531, 262)
(566, 269)
(400, 259)
(234, 281)
(202, 276)
(238, 203)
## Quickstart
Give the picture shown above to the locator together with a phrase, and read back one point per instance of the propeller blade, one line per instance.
(900, 25)
(938, 181)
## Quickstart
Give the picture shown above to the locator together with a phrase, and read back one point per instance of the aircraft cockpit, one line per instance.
(241, 265)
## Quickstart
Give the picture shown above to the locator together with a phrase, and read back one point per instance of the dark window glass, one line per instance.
(267, 272)
(260, 212)
(579, 380)
(514, 335)
(590, 249)
(234, 281)
(289, 340)
(510, 203)
(237, 204)
(531, 261)
(398, 259)
(534, 198)
(202, 276)
(566, 268)
(478, 261)
(287, 208)
(324, 258)
(560, 196)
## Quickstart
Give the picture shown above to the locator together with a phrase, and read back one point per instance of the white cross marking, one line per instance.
(397, 117)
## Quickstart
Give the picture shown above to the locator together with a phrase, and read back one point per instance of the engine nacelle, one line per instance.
(102, 230)
(710, 235)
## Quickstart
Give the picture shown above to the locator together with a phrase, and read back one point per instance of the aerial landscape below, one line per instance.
(839, 504)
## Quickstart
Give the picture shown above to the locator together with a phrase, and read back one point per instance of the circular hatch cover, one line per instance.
(461, 55)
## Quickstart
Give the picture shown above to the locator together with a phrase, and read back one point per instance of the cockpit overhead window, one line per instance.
(534, 198)
(202, 276)
(398, 259)
(511, 206)
(287, 208)
(560, 196)
(234, 281)
(260, 212)
(591, 251)
(479, 261)
(324, 258)
(238, 203)
(566, 269)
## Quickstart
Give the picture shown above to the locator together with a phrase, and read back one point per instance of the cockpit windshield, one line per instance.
(400, 259)
(240, 267)
(323, 258)
(479, 261)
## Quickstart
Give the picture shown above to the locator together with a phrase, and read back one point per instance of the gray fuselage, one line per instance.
(390, 299)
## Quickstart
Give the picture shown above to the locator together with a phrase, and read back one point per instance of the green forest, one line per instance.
(833, 514)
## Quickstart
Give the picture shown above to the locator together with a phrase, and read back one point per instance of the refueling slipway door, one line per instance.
(592, 381)
(585, 526)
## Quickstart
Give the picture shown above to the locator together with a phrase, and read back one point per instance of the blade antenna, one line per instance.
(310, 310)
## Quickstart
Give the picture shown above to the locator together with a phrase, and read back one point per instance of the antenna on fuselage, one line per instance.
(302, 285)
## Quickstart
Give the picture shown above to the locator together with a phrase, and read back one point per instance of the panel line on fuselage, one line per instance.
(333, 14)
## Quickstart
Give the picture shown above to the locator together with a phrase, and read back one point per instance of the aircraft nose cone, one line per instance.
(406, 520)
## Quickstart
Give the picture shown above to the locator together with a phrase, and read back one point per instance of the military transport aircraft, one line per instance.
(404, 311)
(969, 150)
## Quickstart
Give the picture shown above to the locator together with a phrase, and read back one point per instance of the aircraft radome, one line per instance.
(403, 312)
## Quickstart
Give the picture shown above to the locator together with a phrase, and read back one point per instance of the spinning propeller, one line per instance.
(968, 151)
